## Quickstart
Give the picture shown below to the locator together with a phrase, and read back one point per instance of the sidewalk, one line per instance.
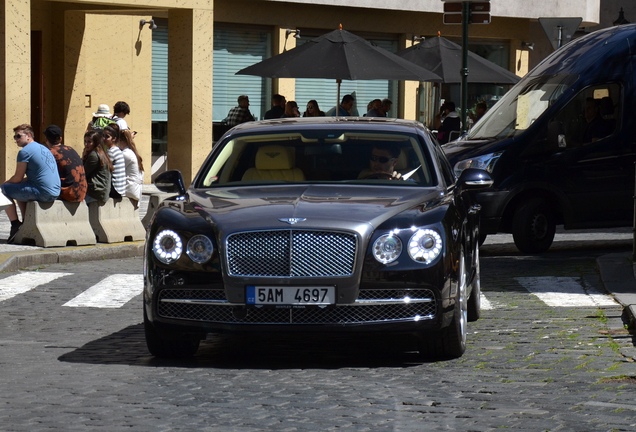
(15, 257)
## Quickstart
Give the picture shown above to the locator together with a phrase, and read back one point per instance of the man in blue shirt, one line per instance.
(345, 106)
(42, 181)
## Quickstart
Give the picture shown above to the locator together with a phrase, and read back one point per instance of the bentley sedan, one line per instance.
(316, 225)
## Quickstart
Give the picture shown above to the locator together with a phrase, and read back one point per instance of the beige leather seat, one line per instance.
(274, 162)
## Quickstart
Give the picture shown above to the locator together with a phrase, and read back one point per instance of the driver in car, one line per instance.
(382, 162)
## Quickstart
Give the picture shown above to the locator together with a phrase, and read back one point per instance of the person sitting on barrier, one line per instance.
(69, 166)
(97, 166)
(42, 183)
(134, 166)
(118, 180)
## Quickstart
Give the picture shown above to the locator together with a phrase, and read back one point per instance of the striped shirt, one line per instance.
(119, 173)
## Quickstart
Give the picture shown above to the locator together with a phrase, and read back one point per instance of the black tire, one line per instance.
(169, 345)
(474, 301)
(533, 226)
(450, 342)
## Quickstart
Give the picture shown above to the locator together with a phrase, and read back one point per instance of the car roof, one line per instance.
(325, 123)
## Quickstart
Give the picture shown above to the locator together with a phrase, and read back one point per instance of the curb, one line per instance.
(617, 273)
(17, 260)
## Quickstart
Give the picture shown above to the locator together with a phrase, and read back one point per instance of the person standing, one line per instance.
(134, 167)
(291, 110)
(69, 166)
(121, 110)
(97, 166)
(375, 109)
(386, 106)
(278, 107)
(241, 113)
(451, 122)
(118, 180)
(42, 182)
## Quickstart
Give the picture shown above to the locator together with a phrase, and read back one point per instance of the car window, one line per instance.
(309, 156)
(593, 114)
(445, 167)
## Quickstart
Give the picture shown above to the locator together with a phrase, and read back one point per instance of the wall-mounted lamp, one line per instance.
(418, 38)
(527, 45)
(151, 24)
(287, 33)
(621, 19)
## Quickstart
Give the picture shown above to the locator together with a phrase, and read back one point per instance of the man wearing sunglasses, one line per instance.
(382, 162)
(42, 182)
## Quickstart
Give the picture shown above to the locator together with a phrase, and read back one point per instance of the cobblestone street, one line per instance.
(528, 366)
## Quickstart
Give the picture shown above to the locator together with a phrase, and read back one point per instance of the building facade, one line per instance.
(61, 60)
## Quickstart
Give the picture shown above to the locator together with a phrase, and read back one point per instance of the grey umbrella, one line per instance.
(444, 58)
(339, 55)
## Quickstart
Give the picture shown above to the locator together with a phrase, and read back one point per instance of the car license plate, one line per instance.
(307, 295)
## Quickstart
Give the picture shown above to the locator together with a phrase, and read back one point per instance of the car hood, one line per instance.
(307, 206)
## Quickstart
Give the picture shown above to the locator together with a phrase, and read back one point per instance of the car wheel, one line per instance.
(482, 238)
(169, 345)
(474, 301)
(533, 226)
(450, 342)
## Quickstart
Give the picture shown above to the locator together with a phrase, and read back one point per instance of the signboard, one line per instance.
(559, 30)
(479, 12)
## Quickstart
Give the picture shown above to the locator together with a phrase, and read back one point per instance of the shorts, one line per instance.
(25, 191)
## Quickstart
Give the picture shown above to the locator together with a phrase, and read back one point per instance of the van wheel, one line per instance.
(533, 226)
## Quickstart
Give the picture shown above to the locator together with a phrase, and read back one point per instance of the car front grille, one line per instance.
(372, 306)
(292, 253)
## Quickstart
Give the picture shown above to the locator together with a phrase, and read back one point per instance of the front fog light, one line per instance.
(199, 249)
(167, 246)
(387, 248)
(425, 245)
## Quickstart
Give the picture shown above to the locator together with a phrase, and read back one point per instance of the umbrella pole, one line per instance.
(338, 98)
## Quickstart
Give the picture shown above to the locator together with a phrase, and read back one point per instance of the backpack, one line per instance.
(102, 122)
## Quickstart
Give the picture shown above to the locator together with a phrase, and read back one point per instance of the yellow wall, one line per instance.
(108, 59)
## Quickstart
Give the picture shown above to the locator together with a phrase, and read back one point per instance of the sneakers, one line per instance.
(15, 227)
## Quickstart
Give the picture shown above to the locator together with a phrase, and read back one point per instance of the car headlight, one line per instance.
(387, 248)
(425, 245)
(167, 246)
(199, 248)
(485, 162)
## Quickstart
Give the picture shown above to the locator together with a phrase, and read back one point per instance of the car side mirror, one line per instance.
(556, 135)
(474, 179)
(171, 182)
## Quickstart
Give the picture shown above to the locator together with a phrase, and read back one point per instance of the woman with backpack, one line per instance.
(97, 166)
(134, 166)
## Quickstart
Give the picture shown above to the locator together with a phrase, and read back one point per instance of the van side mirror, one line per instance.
(556, 135)
(474, 179)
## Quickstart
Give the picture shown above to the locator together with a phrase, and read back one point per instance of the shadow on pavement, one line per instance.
(263, 351)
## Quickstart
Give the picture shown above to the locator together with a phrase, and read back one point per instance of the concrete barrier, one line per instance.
(115, 221)
(153, 203)
(57, 223)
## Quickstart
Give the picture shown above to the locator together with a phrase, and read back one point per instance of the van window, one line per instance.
(591, 115)
(521, 106)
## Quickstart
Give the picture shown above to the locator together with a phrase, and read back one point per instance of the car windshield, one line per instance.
(348, 156)
(521, 106)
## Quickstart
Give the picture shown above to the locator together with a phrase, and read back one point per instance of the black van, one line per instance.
(561, 144)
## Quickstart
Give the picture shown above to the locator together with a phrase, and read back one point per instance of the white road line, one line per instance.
(485, 304)
(564, 292)
(25, 281)
(113, 292)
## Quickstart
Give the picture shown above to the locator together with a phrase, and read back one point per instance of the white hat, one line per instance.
(102, 111)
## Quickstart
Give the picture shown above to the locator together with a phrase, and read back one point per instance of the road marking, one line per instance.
(113, 292)
(485, 304)
(25, 281)
(564, 292)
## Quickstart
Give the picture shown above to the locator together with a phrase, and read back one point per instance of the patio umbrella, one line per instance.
(339, 55)
(444, 58)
